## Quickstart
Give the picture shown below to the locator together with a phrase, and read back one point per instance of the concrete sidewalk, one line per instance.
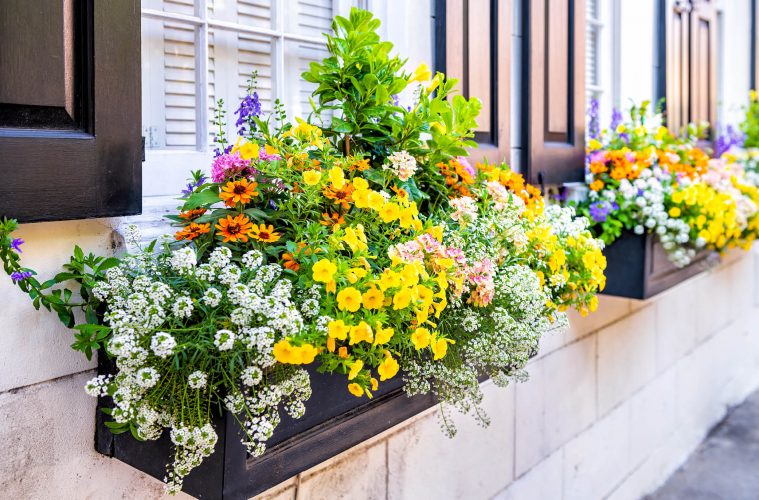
(726, 465)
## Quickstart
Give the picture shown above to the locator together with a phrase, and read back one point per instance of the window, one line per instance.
(197, 51)
(473, 45)
(69, 95)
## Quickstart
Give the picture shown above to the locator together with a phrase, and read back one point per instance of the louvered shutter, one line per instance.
(555, 88)
(691, 76)
(474, 46)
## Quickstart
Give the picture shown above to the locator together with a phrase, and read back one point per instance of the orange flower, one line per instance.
(235, 228)
(192, 214)
(597, 185)
(399, 192)
(360, 165)
(240, 191)
(331, 219)
(264, 233)
(342, 196)
(192, 231)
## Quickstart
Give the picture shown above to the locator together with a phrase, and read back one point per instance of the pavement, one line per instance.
(725, 466)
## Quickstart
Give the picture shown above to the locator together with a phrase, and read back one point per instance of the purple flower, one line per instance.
(217, 152)
(593, 124)
(616, 118)
(17, 276)
(249, 106)
(600, 210)
(396, 100)
(191, 186)
(731, 137)
(16, 244)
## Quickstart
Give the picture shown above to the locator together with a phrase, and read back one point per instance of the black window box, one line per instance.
(638, 267)
(334, 421)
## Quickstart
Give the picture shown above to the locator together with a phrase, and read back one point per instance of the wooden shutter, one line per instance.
(473, 44)
(691, 72)
(70, 142)
(555, 90)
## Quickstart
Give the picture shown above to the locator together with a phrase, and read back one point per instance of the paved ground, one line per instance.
(725, 466)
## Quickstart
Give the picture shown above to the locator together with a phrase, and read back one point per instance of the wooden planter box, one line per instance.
(638, 267)
(334, 421)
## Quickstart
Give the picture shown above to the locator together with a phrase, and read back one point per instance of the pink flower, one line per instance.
(229, 165)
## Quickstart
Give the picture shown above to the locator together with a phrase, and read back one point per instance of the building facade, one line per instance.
(613, 405)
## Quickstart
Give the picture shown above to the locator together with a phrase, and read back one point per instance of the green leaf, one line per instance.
(206, 197)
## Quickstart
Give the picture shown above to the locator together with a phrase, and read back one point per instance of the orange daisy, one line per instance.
(192, 214)
(331, 219)
(235, 228)
(192, 231)
(342, 196)
(240, 191)
(264, 233)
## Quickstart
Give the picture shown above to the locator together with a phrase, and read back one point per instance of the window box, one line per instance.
(638, 267)
(334, 421)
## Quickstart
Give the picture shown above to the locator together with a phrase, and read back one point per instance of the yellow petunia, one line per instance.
(389, 279)
(361, 333)
(674, 212)
(311, 177)
(338, 329)
(356, 390)
(361, 198)
(355, 368)
(349, 299)
(383, 335)
(389, 212)
(440, 347)
(388, 368)
(376, 200)
(422, 73)
(402, 299)
(324, 270)
(360, 184)
(421, 338)
(373, 298)
(337, 177)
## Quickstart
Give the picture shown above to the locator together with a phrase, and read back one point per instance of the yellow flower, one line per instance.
(383, 335)
(349, 299)
(436, 232)
(248, 150)
(389, 279)
(410, 275)
(355, 238)
(402, 299)
(338, 329)
(331, 344)
(337, 177)
(284, 351)
(389, 212)
(376, 200)
(422, 73)
(373, 298)
(361, 333)
(375, 383)
(440, 347)
(420, 338)
(361, 197)
(355, 273)
(343, 352)
(356, 390)
(311, 177)
(355, 368)
(324, 270)
(307, 353)
(674, 212)
(388, 368)
(360, 184)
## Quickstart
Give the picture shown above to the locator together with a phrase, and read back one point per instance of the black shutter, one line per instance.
(554, 84)
(69, 109)
(473, 45)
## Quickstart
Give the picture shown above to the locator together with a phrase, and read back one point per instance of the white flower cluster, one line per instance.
(402, 164)
(151, 311)
(643, 198)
